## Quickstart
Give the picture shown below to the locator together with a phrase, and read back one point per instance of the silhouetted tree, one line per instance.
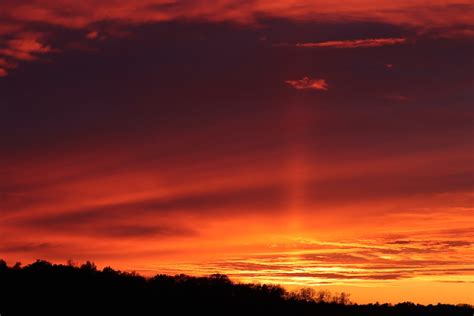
(42, 288)
(341, 298)
(89, 266)
(323, 296)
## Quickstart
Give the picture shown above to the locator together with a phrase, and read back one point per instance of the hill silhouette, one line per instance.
(42, 288)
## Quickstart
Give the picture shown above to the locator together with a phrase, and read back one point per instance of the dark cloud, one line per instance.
(454, 281)
(401, 242)
(336, 257)
(27, 247)
(388, 276)
(237, 203)
(126, 231)
(453, 243)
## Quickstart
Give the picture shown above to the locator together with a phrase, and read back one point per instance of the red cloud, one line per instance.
(449, 17)
(371, 42)
(82, 13)
(5, 64)
(3, 72)
(24, 47)
(308, 83)
(92, 35)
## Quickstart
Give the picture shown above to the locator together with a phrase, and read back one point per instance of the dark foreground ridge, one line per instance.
(43, 288)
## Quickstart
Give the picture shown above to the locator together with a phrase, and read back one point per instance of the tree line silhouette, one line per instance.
(42, 288)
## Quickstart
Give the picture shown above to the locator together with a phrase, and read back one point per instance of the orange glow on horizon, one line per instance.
(226, 222)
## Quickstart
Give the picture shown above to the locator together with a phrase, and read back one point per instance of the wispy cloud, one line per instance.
(308, 83)
(25, 47)
(7, 64)
(25, 247)
(370, 42)
(316, 263)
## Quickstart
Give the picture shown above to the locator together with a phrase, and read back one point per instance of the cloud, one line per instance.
(401, 242)
(106, 225)
(345, 263)
(126, 231)
(415, 12)
(92, 35)
(453, 243)
(7, 64)
(451, 17)
(308, 83)
(25, 47)
(371, 42)
(454, 281)
(26, 247)
(3, 62)
(166, 217)
(341, 276)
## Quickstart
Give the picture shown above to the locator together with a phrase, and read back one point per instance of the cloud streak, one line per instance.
(345, 263)
(371, 42)
(25, 47)
(307, 83)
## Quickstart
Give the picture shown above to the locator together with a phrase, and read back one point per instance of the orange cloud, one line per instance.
(308, 83)
(371, 42)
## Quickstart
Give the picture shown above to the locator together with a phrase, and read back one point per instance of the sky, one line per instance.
(304, 143)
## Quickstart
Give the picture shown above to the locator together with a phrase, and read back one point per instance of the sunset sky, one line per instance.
(306, 143)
